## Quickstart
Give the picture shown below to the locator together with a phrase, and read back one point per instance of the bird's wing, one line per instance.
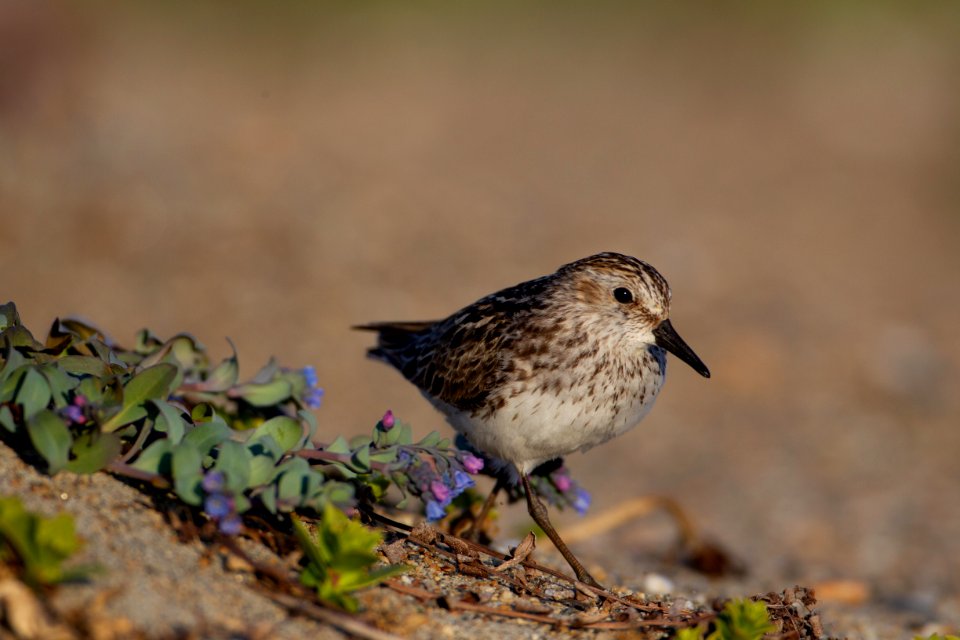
(461, 360)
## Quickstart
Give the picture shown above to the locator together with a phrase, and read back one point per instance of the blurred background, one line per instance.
(274, 173)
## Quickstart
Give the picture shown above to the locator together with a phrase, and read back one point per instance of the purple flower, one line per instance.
(80, 400)
(471, 463)
(561, 480)
(581, 500)
(218, 505)
(421, 475)
(74, 414)
(213, 481)
(310, 376)
(231, 525)
(461, 482)
(312, 394)
(313, 398)
(435, 511)
(387, 421)
(440, 491)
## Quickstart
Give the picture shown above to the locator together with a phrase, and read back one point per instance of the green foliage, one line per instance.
(80, 402)
(739, 620)
(163, 412)
(340, 558)
(38, 546)
(937, 636)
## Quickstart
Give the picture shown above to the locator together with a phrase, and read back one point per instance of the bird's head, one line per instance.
(628, 300)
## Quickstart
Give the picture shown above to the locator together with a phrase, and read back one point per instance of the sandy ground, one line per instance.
(278, 176)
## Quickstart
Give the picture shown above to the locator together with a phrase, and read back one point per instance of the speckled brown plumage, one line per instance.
(547, 367)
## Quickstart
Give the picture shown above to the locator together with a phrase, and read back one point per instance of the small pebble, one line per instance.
(656, 583)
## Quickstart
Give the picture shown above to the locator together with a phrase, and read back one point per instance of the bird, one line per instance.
(547, 367)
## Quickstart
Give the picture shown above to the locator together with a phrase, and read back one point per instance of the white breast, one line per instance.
(555, 414)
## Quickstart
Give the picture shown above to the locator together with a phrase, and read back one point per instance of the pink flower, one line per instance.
(387, 421)
(471, 463)
(561, 480)
(440, 491)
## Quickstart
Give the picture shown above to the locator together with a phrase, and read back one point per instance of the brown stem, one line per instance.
(477, 524)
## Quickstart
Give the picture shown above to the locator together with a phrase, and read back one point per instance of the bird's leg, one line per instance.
(538, 511)
(477, 524)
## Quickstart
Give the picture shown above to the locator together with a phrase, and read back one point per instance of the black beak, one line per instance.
(668, 338)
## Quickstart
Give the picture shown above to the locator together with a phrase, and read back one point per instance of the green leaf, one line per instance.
(187, 466)
(266, 444)
(341, 493)
(340, 557)
(18, 336)
(51, 439)
(267, 394)
(93, 451)
(432, 439)
(57, 535)
(74, 327)
(266, 373)
(344, 469)
(96, 393)
(338, 446)
(297, 482)
(743, 620)
(234, 460)
(311, 420)
(361, 459)
(182, 350)
(41, 544)
(224, 375)
(308, 543)
(203, 412)
(61, 384)
(156, 458)
(349, 563)
(6, 419)
(147, 342)
(286, 431)
(360, 580)
(404, 433)
(33, 393)
(690, 633)
(261, 470)
(187, 351)
(269, 498)
(14, 361)
(387, 456)
(11, 386)
(169, 420)
(8, 315)
(206, 436)
(290, 489)
(153, 383)
(84, 365)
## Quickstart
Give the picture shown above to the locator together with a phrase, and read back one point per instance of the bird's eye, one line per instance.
(622, 295)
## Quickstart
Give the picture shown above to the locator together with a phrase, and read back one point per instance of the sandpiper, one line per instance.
(550, 366)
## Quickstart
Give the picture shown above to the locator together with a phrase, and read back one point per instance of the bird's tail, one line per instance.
(392, 337)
